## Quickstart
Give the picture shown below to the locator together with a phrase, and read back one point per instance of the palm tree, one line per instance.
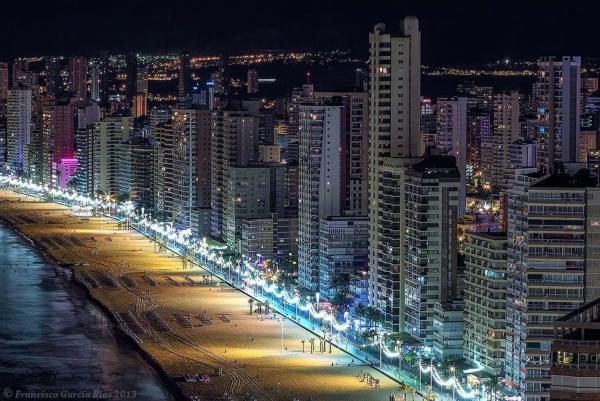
(312, 344)
(493, 385)
(251, 302)
(303, 341)
(412, 391)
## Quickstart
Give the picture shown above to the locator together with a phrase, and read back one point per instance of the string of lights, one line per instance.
(248, 272)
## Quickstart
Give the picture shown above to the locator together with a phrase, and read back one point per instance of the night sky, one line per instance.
(456, 32)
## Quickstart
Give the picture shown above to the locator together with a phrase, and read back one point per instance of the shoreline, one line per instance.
(157, 371)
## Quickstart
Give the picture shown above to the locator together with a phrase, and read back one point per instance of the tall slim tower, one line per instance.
(320, 167)
(18, 127)
(131, 80)
(506, 131)
(185, 79)
(252, 81)
(78, 77)
(3, 81)
(558, 98)
(95, 83)
(451, 123)
(394, 132)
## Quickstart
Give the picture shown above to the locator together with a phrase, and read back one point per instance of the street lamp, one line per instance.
(431, 373)
(381, 339)
(399, 350)
(420, 374)
(281, 320)
(453, 370)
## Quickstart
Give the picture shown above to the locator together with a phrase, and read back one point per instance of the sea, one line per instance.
(55, 343)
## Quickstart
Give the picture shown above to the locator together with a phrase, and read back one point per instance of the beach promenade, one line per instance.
(199, 332)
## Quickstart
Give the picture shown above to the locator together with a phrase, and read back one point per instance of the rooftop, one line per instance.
(581, 179)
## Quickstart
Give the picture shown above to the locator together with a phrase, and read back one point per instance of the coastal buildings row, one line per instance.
(361, 194)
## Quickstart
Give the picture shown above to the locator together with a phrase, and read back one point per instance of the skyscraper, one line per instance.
(185, 80)
(452, 130)
(18, 127)
(485, 300)
(234, 144)
(558, 95)
(506, 131)
(110, 137)
(3, 81)
(553, 267)
(140, 102)
(95, 83)
(320, 165)
(354, 149)
(252, 81)
(78, 77)
(431, 193)
(300, 95)
(394, 134)
(131, 64)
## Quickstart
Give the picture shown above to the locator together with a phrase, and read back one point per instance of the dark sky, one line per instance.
(457, 32)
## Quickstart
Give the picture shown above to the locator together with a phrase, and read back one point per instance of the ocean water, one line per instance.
(55, 342)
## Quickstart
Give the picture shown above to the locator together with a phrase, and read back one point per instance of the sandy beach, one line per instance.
(186, 321)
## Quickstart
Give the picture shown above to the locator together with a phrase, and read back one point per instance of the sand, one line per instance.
(247, 347)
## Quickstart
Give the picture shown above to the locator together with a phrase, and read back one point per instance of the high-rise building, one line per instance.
(18, 127)
(274, 238)
(141, 160)
(479, 140)
(20, 68)
(110, 137)
(3, 81)
(140, 101)
(506, 131)
(53, 78)
(394, 145)
(485, 300)
(131, 65)
(303, 94)
(321, 182)
(343, 251)
(553, 268)
(58, 139)
(252, 81)
(234, 144)
(354, 149)
(255, 191)
(86, 117)
(95, 83)
(78, 77)
(451, 125)
(558, 95)
(185, 170)
(185, 80)
(428, 124)
(431, 271)
(575, 349)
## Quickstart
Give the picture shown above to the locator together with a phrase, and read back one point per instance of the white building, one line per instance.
(320, 181)
(110, 149)
(394, 144)
(18, 127)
